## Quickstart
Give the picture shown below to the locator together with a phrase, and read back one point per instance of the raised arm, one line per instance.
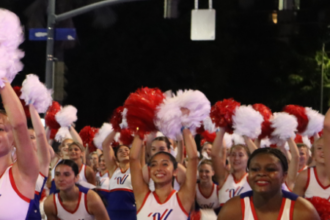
(109, 154)
(42, 144)
(293, 165)
(326, 142)
(75, 136)
(188, 189)
(179, 156)
(219, 163)
(140, 188)
(250, 144)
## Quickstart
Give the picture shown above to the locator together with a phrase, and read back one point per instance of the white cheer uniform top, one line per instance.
(103, 181)
(233, 188)
(314, 186)
(80, 212)
(41, 181)
(207, 201)
(13, 205)
(285, 213)
(171, 209)
(121, 180)
(82, 173)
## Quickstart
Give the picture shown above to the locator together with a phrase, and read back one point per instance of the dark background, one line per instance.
(130, 45)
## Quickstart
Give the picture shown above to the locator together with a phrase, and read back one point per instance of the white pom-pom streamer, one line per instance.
(169, 118)
(36, 93)
(100, 136)
(285, 126)
(315, 122)
(123, 123)
(62, 134)
(265, 143)
(65, 117)
(247, 121)
(117, 137)
(307, 141)
(238, 139)
(209, 125)
(228, 140)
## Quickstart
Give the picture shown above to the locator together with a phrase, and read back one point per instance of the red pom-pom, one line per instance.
(141, 109)
(266, 129)
(300, 114)
(312, 138)
(52, 133)
(195, 215)
(322, 207)
(200, 130)
(18, 92)
(116, 118)
(87, 135)
(209, 137)
(50, 119)
(126, 137)
(222, 113)
(298, 139)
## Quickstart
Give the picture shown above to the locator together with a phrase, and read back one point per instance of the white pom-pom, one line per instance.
(100, 136)
(265, 143)
(169, 118)
(36, 93)
(247, 121)
(228, 140)
(123, 123)
(307, 141)
(62, 134)
(315, 122)
(209, 125)
(11, 36)
(285, 126)
(65, 117)
(238, 139)
(117, 136)
(159, 134)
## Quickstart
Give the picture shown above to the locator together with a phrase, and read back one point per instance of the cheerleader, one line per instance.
(17, 181)
(102, 180)
(268, 168)
(72, 201)
(121, 203)
(303, 157)
(164, 202)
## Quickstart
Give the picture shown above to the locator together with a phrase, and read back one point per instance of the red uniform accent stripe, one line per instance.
(318, 181)
(206, 197)
(121, 189)
(180, 204)
(54, 200)
(292, 209)
(144, 201)
(282, 209)
(243, 208)
(12, 182)
(240, 179)
(42, 175)
(168, 197)
(308, 178)
(86, 207)
(72, 212)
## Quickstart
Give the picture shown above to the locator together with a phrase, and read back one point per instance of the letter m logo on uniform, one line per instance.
(160, 216)
(121, 180)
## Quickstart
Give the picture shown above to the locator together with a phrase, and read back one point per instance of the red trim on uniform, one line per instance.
(13, 184)
(144, 201)
(42, 175)
(282, 209)
(308, 178)
(252, 209)
(103, 190)
(168, 197)
(54, 200)
(104, 173)
(302, 169)
(243, 207)
(86, 204)
(122, 171)
(318, 181)
(82, 165)
(36, 192)
(121, 189)
(287, 186)
(72, 212)
(240, 179)
(180, 204)
(292, 209)
(279, 214)
(206, 197)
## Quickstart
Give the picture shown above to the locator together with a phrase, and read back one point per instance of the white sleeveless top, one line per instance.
(209, 201)
(102, 182)
(13, 205)
(314, 186)
(171, 209)
(285, 213)
(82, 173)
(79, 213)
(233, 188)
(121, 180)
(41, 181)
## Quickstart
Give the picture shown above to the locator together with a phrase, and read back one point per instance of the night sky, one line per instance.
(127, 46)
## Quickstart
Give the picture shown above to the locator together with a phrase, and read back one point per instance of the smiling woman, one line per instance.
(268, 169)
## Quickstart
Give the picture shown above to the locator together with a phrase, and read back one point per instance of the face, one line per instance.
(162, 169)
(6, 136)
(207, 149)
(303, 158)
(102, 163)
(318, 154)
(74, 152)
(123, 153)
(33, 138)
(64, 177)
(64, 149)
(157, 146)
(238, 158)
(205, 172)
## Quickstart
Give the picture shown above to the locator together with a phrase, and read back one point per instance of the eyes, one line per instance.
(269, 169)
(164, 164)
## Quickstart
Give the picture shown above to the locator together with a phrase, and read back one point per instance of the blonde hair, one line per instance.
(81, 147)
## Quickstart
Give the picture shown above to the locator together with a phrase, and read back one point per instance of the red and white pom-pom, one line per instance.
(126, 137)
(222, 113)
(34, 92)
(11, 36)
(141, 109)
(208, 137)
(265, 143)
(116, 118)
(209, 125)
(228, 138)
(18, 92)
(52, 133)
(50, 119)
(285, 126)
(322, 207)
(315, 122)
(87, 135)
(267, 114)
(124, 123)
(170, 117)
(247, 121)
(102, 133)
(65, 117)
(300, 113)
(238, 139)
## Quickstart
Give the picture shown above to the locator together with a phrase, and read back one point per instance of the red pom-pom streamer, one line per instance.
(52, 133)
(300, 114)
(200, 130)
(18, 92)
(266, 129)
(50, 119)
(195, 215)
(209, 137)
(322, 207)
(222, 113)
(141, 109)
(312, 138)
(298, 139)
(126, 137)
(87, 134)
(116, 118)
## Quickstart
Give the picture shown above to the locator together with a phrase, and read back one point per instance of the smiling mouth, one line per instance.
(262, 183)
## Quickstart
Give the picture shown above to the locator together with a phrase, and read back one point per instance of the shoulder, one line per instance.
(181, 168)
(232, 209)
(304, 210)
(49, 205)
(303, 176)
